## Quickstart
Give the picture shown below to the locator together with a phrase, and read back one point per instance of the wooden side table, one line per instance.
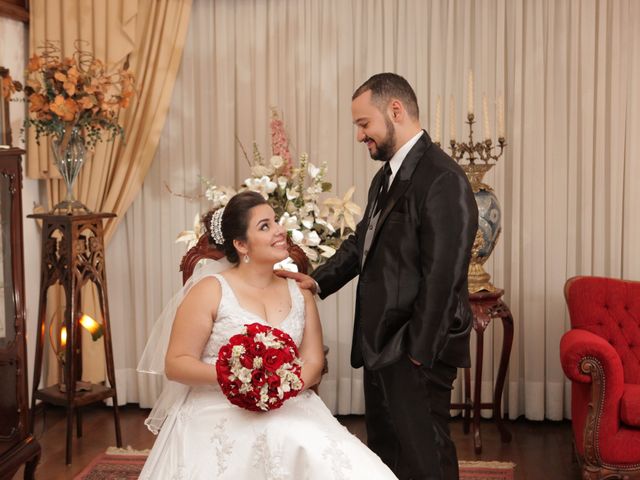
(486, 306)
(72, 255)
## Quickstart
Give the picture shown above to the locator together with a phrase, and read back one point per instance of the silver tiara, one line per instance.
(215, 226)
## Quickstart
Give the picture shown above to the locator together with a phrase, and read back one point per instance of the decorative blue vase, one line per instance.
(489, 227)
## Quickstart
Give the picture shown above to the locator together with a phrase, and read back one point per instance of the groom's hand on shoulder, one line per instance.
(304, 281)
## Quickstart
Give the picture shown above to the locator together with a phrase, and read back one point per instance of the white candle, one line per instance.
(501, 133)
(452, 118)
(470, 93)
(485, 114)
(438, 125)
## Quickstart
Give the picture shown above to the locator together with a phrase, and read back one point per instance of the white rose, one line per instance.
(276, 161)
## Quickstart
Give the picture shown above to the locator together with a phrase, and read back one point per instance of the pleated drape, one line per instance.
(568, 181)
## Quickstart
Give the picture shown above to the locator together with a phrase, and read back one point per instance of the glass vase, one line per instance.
(69, 152)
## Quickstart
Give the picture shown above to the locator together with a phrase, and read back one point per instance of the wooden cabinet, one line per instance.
(17, 444)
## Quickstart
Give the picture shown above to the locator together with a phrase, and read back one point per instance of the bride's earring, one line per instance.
(246, 258)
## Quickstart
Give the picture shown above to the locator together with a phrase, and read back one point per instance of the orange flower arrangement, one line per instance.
(75, 92)
(8, 86)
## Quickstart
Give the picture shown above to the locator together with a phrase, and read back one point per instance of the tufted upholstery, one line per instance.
(601, 356)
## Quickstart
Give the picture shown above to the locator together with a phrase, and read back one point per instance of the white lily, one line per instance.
(282, 182)
(262, 185)
(327, 251)
(308, 222)
(344, 209)
(309, 252)
(287, 264)
(297, 236)
(292, 194)
(311, 238)
(289, 222)
(313, 170)
(219, 196)
(324, 223)
(190, 237)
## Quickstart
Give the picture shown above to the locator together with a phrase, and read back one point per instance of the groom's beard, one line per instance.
(387, 146)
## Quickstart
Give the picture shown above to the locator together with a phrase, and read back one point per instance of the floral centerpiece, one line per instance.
(259, 368)
(294, 191)
(76, 100)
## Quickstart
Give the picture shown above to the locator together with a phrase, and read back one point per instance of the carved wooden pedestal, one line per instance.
(487, 306)
(72, 255)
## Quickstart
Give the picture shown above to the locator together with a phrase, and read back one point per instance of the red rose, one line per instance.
(257, 349)
(225, 352)
(255, 328)
(246, 361)
(257, 378)
(274, 381)
(273, 359)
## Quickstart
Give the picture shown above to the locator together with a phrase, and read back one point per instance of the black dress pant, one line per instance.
(407, 418)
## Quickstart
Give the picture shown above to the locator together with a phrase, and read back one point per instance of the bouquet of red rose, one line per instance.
(259, 368)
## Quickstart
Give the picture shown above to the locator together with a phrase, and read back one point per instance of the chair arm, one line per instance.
(578, 345)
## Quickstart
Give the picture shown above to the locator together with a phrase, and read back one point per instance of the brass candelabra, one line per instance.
(476, 158)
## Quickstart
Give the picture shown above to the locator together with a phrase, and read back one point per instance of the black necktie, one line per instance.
(384, 188)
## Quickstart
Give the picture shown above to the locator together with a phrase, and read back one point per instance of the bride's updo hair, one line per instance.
(235, 222)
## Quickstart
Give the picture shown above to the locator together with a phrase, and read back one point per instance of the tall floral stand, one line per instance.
(476, 159)
(72, 255)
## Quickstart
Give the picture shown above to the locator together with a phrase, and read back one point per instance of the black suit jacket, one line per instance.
(412, 295)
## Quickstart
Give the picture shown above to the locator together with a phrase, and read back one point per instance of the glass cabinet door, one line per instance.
(8, 366)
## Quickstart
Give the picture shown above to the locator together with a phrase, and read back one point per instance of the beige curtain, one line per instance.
(568, 181)
(151, 34)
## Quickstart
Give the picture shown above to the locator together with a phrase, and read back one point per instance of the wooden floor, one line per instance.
(539, 449)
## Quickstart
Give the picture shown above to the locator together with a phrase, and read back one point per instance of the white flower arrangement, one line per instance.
(317, 226)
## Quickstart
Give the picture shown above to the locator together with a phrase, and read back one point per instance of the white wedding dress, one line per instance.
(204, 436)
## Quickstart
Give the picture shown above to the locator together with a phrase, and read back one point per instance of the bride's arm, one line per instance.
(190, 333)
(311, 351)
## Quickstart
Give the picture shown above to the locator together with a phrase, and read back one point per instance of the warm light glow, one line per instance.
(63, 337)
(91, 326)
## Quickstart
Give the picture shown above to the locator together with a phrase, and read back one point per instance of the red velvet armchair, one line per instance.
(601, 357)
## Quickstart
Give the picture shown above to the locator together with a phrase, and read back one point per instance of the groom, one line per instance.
(411, 251)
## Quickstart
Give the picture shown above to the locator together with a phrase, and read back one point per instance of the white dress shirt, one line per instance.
(396, 161)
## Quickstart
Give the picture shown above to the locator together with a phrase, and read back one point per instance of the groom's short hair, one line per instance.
(384, 87)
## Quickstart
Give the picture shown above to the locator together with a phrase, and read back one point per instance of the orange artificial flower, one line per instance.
(65, 108)
(87, 102)
(34, 83)
(60, 76)
(70, 88)
(35, 62)
(37, 103)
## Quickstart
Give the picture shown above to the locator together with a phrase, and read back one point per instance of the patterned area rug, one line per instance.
(126, 464)
(486, 470)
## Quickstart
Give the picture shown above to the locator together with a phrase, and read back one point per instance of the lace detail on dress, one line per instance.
(232, 317)
(222, 444)
(180, 473)
(338, 459)
(268, 459)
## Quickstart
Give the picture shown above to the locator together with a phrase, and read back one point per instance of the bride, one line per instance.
(202, 435)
